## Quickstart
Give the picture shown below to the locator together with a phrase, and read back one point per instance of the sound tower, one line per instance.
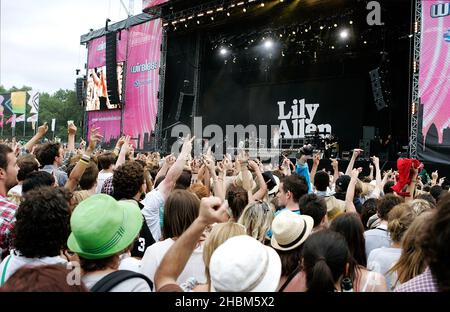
(111, 68)
(80, 87)
(377, 89)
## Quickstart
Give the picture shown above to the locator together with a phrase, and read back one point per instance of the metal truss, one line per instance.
(413, 140)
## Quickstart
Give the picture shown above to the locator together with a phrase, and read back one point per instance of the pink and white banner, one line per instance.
(108, 122)
(434, 81)
(142, 82)
(146, 4)
(97, 50)
(435, 66)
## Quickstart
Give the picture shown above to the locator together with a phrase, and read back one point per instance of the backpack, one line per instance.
(115, 278)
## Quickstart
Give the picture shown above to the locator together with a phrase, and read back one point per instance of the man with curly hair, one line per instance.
(40, 232)
(8, 179)
(129, 184)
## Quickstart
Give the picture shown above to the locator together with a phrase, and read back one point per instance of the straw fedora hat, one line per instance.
(290, 230)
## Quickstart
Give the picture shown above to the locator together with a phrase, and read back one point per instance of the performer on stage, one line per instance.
(275, 137)
(330, 145)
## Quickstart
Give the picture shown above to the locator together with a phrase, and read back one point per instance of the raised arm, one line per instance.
(168, 161)
(217, 183)
(212, 210)
(71, 132)
(335, 165)
(412, 186)
(261, 193)
(124, 144)
(175, 171)
(349, 206)
(316, 161)
(42, 130)
(83, 163)
(351, 164)
(379, 183)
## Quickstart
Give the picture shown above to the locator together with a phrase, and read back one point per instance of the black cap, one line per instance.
(342, 182)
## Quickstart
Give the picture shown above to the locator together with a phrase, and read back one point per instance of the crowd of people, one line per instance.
(86, 219)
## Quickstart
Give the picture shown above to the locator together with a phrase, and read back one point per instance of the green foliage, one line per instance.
(62, 105)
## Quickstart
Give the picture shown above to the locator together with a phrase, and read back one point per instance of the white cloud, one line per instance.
(40, 40)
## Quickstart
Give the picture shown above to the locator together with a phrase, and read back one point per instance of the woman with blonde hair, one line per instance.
(381, 260)
(218, 235)
(257, 218)
(412, 260)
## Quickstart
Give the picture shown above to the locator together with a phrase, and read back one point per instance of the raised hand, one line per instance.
(42, 130)
(357, 152)
(213, 210)
(334, 164)
(187, 145)
(355, 173)
(316, 159)
(375, 160)
(94, 138)
(72, 129)
(435, 175)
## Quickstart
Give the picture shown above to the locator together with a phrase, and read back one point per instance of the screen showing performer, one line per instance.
(97, 91)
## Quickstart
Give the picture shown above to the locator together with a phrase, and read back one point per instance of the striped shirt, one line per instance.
(7, 219)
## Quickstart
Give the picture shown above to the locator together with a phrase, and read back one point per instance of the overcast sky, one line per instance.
(40, 40)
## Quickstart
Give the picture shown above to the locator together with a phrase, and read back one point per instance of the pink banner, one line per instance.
(147, 4)
(108, 122)
(97, 50)
(434, 81)
(142, 83)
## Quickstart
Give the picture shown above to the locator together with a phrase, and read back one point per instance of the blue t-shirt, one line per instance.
(303, 171)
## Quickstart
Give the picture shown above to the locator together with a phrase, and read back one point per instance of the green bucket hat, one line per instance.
(102, 226)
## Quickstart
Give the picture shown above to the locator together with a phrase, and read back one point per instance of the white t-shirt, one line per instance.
(152, 202)
(130, 285)
(195, 267)
(16, 190)
(377, 238)
(102, 176)
(381, 260)
(130, 264)
(14, 261)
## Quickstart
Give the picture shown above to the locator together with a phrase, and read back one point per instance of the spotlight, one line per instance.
(198, 22)
(262, 4)
(365, 42)
(351, 22)
(244, 10)
(228, 14)
(344, 34)
(223, 51)
(268, 44)
(332, 47)
(335, 25)
(321, 27)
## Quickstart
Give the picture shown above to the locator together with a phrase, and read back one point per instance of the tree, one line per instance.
(62, 105)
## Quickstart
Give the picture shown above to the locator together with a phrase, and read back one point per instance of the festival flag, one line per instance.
(12, 121)
(5, 102)
(34, 102)
(21, 118)
(53, 124)
(33, 118)
(18, 102)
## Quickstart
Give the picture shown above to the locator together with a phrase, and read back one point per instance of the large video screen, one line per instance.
(97, 90)
(434, 82)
